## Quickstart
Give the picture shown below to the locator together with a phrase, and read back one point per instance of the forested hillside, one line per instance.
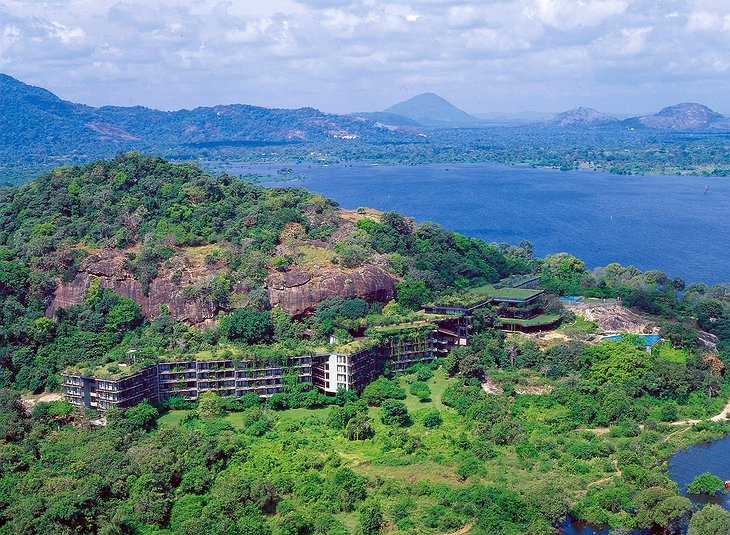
(506, 435)
(220, 242)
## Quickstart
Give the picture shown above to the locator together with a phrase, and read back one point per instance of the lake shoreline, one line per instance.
(662, 222)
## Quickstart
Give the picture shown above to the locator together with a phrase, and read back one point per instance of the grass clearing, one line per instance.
(308, 256)
(171, 419)
(437, 384)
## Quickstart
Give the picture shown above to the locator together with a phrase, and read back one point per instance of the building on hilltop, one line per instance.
(265, 370)
(518, 308)
(113, 385)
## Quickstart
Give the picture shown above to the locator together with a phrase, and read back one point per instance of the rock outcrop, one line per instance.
(298, 291)
(167, 289)
(613, 317)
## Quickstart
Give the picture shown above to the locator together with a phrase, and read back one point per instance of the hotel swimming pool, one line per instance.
(648, 339)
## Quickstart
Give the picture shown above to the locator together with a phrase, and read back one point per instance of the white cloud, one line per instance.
(506, 54)
(566, 14)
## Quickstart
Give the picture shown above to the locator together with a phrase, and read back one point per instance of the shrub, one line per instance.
(381, 389)
(394, 412)
(432, 419)
(421, 391)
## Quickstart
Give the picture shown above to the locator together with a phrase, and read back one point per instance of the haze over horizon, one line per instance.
(617, 56)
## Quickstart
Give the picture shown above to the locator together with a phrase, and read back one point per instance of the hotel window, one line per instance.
(341, 368)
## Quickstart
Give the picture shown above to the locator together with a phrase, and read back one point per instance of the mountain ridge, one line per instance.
(37, 124)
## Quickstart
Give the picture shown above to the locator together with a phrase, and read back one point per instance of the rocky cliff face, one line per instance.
(299, 291)
(167, 289)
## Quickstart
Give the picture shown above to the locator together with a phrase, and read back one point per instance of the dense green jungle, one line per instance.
(571, 426)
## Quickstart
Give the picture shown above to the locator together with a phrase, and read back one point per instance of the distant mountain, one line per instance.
(431, 110)
(579, 117)
(36, 126)
(684, 116)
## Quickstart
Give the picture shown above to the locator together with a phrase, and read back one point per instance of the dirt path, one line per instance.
(31, 402)
(723, 415)
(618, 473)
(463, 530)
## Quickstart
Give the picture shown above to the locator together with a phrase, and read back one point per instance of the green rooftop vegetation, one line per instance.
(416, 327)
(516, 280)
(388, 318)
(473, 296)
(111, 370)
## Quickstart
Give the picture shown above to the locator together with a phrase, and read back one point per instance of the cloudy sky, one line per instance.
(620, 56)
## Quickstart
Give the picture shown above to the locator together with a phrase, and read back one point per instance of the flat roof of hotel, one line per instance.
(473, 296)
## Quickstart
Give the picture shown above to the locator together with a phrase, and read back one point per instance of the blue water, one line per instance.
(684, 466)
(653, 222)
(648, 339)
(571, 298)
(713, 457)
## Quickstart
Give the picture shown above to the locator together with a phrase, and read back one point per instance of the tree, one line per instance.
(370, 518)
(338, 417)
(673, 513)
(345, 488)
(149, 501)
(471, 366)
(706, 483)
(13, 419)
(210, 405)
(359, 428)
(710, 520)
(412, 294)
(680, 335)
(248, 325)
(124, 315)
(394, 412)
(381, 389)
(617, 362)
(142, 415)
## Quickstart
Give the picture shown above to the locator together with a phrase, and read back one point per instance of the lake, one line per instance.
(684, 466)
(713, 457)
(679, 225)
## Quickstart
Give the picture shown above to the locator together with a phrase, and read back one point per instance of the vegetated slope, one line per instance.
(182, 244)
(40, 128)
(432, 110)
(39, 131)
(444, 455)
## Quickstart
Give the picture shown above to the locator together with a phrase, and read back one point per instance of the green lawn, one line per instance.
(171, 418)
(437, 384)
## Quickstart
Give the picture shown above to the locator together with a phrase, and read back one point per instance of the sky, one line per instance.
(618, 56)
